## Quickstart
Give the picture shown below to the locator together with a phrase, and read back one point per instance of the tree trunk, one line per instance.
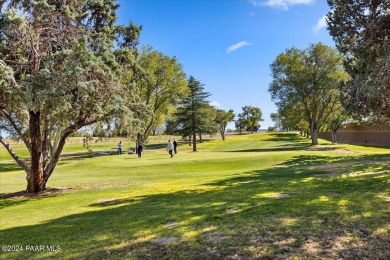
(194, 142)
(223, 135)
(148, 130)
(307, 134)
(35, 180)
(137, 143)
(200, 138)
(334, 137)
(189, 141)
(314, 137)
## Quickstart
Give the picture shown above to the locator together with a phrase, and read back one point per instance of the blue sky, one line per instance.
(228, 45)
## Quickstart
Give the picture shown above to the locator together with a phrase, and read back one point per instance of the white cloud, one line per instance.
(237, 46)
(281, 4)
(321, 23)
(215, 103)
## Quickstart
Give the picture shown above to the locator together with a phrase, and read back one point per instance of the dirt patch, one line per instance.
(235, 257)
(339, 165)
(312, 247)
(171, 224)
(329, 149)
(231, 211)
(287, 241)
(279, 196)
(215, 238)
(100, 186)
(244, 182)
(26, 195)
(165, 240)
(384, 196)
(107, 200)
(61, 190)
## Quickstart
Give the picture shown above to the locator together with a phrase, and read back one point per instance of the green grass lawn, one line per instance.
(252, 196)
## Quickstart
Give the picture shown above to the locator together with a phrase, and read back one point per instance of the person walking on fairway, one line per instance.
(139, 150)
(120, 148)
(170, 148)
(174, 146)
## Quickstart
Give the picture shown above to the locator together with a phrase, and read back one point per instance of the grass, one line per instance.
(252, 196)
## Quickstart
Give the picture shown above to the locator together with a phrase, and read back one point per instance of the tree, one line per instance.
(335, 121)
(308, 80)
(335, 125)
(191, 113)
(208, 125)
(222, 118)
(278, 120)
(57, 73)
(165, 85)
(250, 117)
(134, 113)
(240, 125)
(271, 129)
(170, 125)
(304, 128)
(361, 32)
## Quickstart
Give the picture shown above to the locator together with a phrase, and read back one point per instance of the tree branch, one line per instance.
(2, 63)
(16, 128)
(62, 139)
(14, 156)
(16, 63)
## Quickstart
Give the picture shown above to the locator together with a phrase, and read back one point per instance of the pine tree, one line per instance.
(192, 113)
(361, 31)
(58, 73)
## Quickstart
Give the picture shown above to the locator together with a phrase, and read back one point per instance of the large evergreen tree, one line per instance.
(58, 73)
(361, 30)
(192, 112)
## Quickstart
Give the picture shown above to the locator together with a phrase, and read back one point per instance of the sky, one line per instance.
(228, 45)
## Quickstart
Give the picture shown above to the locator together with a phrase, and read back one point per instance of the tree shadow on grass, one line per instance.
(20, 197)
(9, 167)
(285, 137)
(155, 146)
(279, 148)
(234, 217)
(298, 146)
(83, 155)
(310, 160)
(278, 142)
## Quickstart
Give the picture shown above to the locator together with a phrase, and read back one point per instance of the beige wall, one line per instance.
(362, 134)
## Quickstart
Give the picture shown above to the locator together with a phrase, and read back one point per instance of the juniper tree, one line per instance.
(58, 73)
(361, 31)
(191, 113)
